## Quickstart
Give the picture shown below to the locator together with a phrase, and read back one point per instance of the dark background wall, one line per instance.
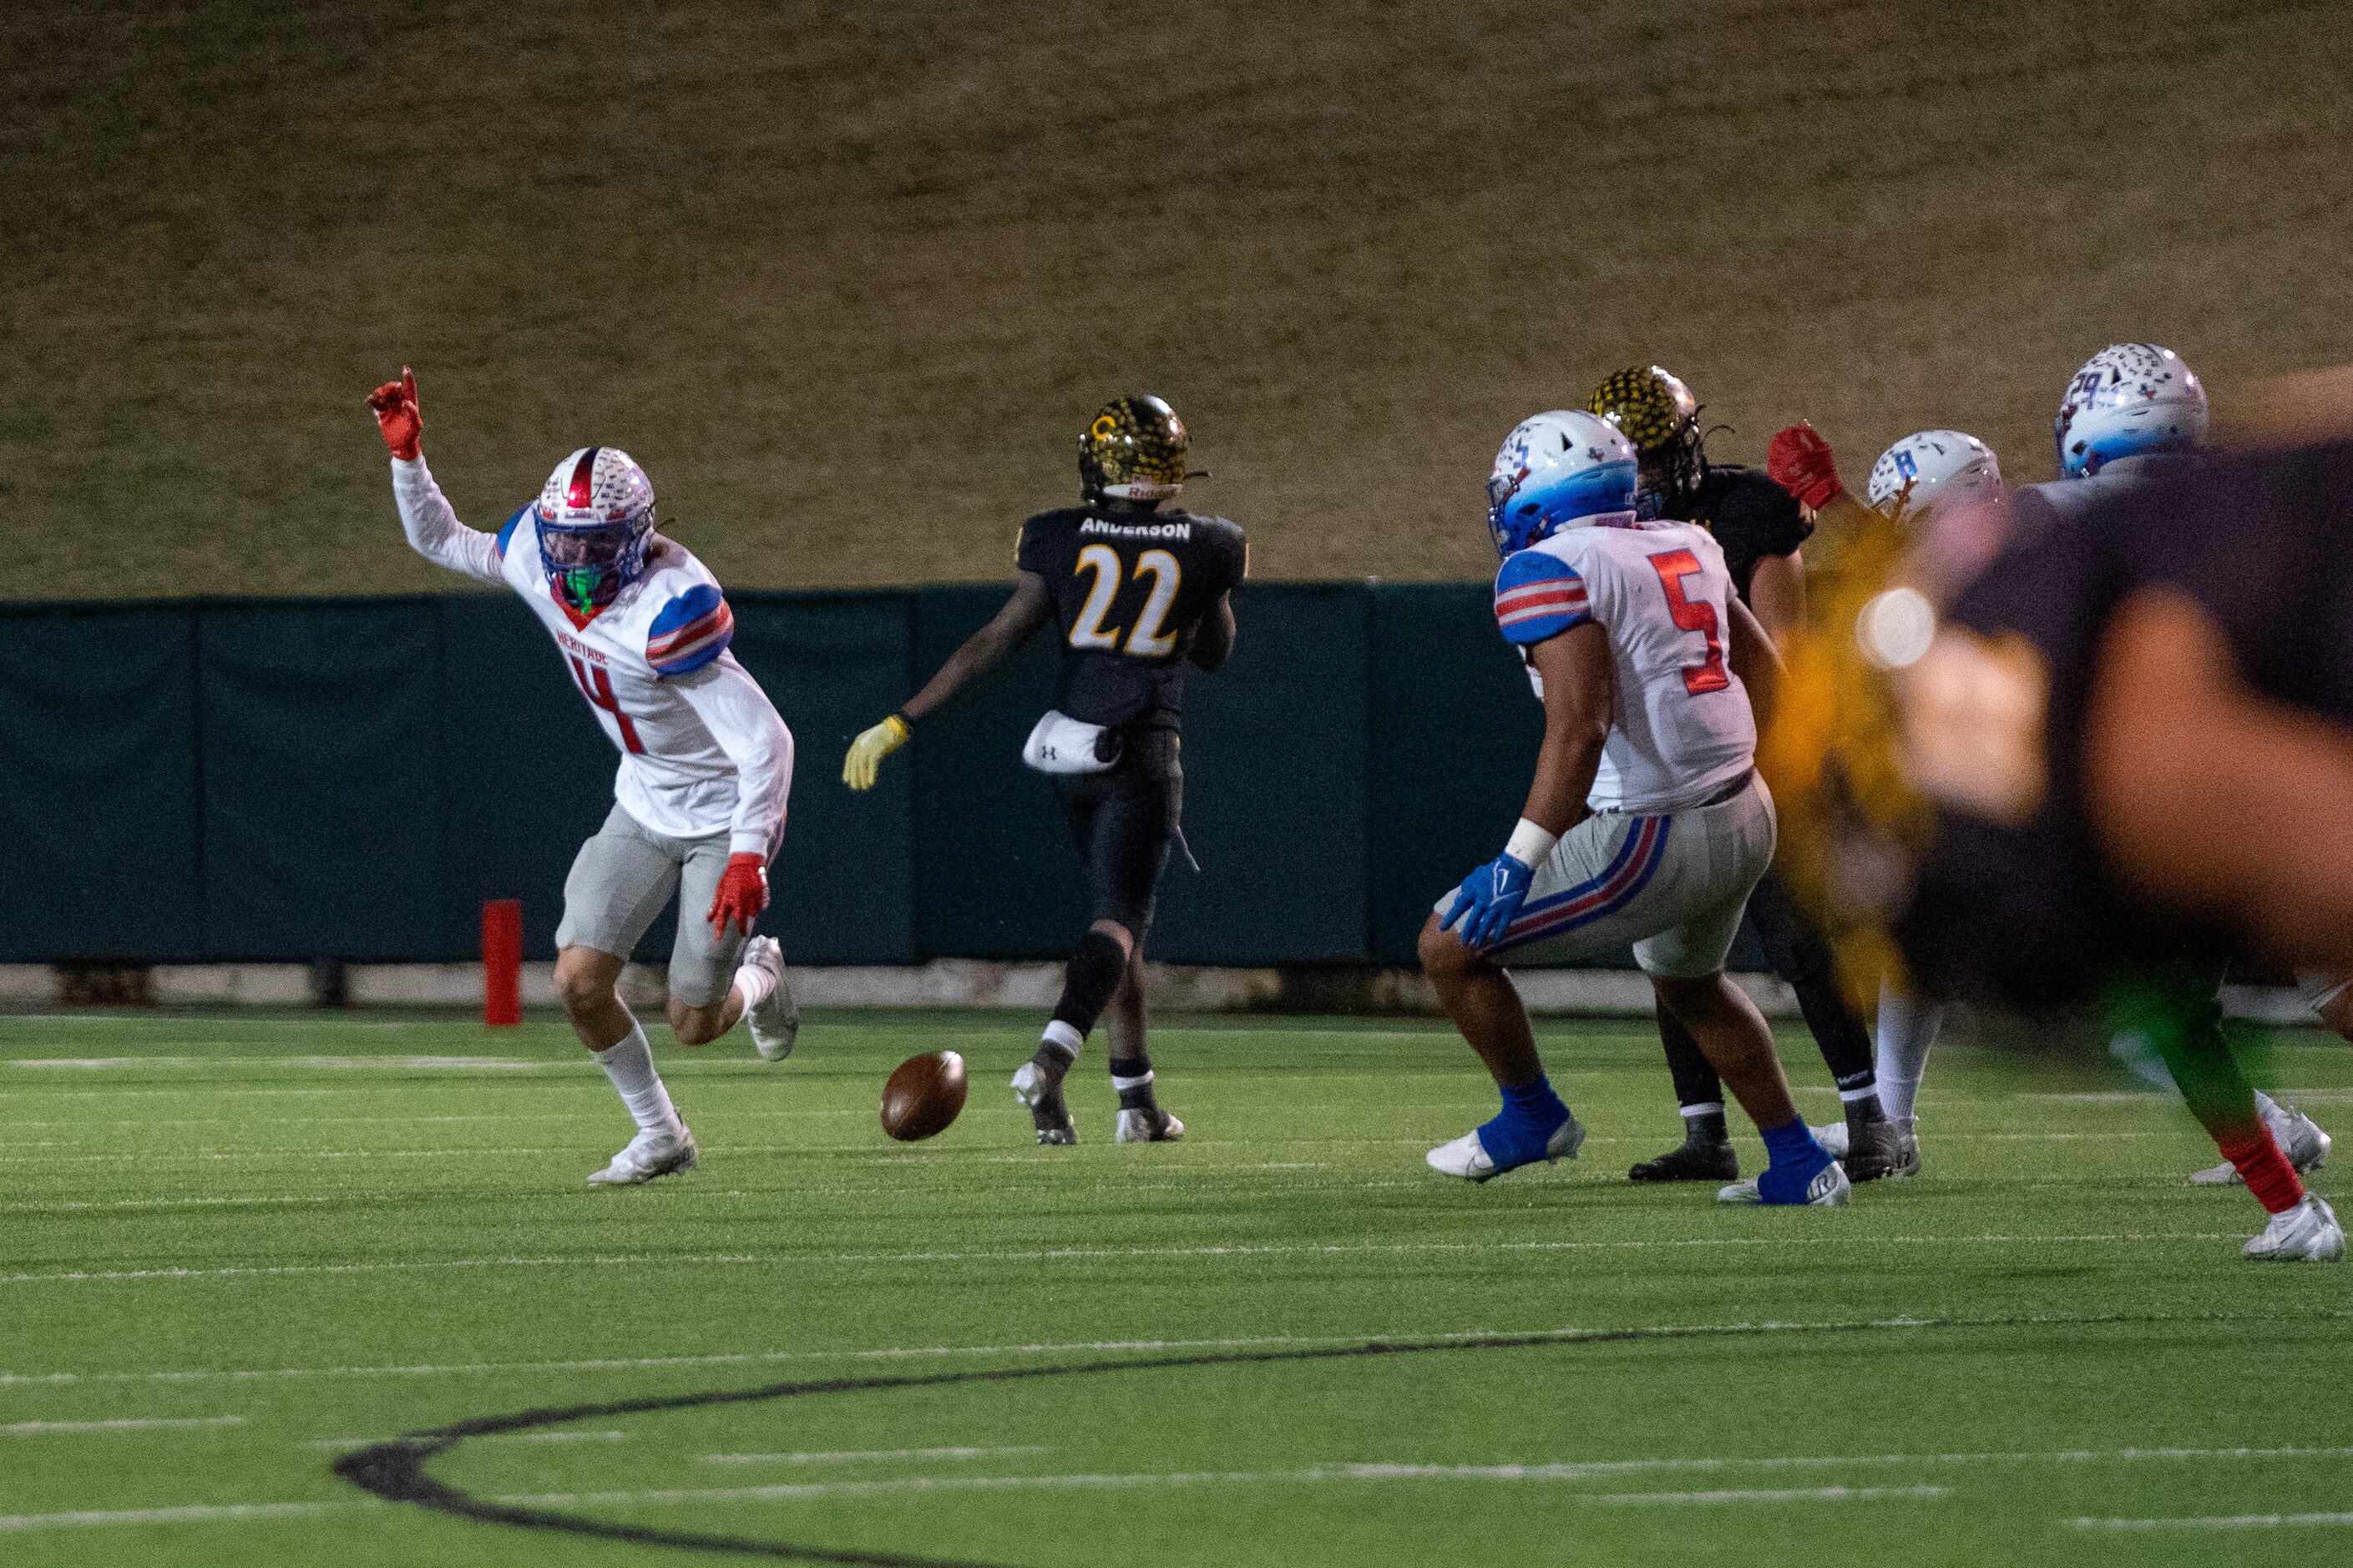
(215, 779)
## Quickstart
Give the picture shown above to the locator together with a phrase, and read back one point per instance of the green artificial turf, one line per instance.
(257, 1244)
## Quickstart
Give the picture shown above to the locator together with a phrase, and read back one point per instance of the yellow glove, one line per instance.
(867, 751)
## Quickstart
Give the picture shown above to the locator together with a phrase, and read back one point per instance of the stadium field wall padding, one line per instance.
(284, 779)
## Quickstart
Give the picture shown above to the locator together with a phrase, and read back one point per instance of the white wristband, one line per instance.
(1530, 844)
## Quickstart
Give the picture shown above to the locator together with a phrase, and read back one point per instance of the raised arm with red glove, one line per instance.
(398, 415)
(742, 893)
(1800, 462)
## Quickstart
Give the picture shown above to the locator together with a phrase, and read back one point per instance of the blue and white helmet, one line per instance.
(1557, 470)
(1931, 469)
(595, 516)
(2129, 398)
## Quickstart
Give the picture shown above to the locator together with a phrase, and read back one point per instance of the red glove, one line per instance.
(742, 893)
(1800, 463)
(398, 416)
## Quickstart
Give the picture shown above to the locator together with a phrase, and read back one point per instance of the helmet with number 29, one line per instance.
(595, 515)
(1557, 470)
(2128, 399)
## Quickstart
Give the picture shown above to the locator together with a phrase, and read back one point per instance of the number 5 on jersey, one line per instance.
(1693, 616)
(1145, 640)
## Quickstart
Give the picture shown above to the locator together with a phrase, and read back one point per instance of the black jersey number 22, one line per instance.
(1144, 640)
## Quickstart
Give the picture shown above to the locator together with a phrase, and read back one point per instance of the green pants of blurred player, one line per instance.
(2177, 1009)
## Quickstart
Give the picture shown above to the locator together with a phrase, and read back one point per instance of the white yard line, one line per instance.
(1091, 1254)
(187, 1513)
(120, 1424)
(864, 1456)
(1314, 1475)
(910, 1352)
(154, 1157)
(401, 1064)
(2224, 1521)
(557, 1434)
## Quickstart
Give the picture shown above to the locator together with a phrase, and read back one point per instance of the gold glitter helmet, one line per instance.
(1133, 449)
(1658, 413)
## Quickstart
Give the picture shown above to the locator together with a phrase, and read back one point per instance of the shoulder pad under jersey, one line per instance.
(1538, 595)
(690, 631)
(506, 529)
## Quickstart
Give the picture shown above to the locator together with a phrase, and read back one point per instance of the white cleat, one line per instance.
(1467, 1157)
(1832, 1137)
(2307, 1232)
(1147, 1126)
(2299, 1138)
(775, 1024)
(1829, 1189)
(649, 1154)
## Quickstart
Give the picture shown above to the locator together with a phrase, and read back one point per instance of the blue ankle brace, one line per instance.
(1795, 1160)
(1532, 1113)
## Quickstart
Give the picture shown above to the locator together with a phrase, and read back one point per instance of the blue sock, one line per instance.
(1793, 1161)
(1532, 1113)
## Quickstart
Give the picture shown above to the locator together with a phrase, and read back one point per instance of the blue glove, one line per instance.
(1490, 898)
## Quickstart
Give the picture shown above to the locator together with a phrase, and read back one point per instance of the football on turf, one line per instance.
(923, 1096)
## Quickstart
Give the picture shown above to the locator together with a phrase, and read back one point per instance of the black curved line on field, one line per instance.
(394, 1472)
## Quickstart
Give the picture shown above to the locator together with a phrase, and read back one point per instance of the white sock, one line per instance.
(1907, 1028)
(754, 985)
(1063, 1038)
(1705, 1108)
(630, 1065)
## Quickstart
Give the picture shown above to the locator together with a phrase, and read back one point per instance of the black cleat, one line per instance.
(1691, 1161)
(1877, 1149)
(1043, 1096)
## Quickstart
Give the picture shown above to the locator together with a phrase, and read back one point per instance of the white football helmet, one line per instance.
(1933, 469)
(595, 514)
(2129, 398)
(1555, 470)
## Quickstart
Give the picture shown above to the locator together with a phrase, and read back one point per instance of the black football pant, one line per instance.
(1125, 821)
(1795, 949)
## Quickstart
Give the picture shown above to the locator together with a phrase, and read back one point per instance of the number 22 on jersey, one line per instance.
(1693, 616)
(1145, 640)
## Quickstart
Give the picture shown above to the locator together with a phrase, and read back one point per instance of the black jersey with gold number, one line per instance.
(1129, 588)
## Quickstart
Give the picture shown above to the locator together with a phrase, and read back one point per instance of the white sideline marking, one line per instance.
(748, 1358)
(2224, 1521)
(120, 1424)
(189, 1513)
(406, 1064)
(1064, 1254)
(860, 1455)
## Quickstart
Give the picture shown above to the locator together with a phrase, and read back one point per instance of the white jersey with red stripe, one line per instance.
(1681, 730)
(702, 750)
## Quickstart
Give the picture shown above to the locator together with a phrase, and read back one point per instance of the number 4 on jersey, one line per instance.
(1693, 616)
(598, 686)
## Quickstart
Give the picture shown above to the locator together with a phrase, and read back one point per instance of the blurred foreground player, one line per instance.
(1139, 591)
(706, 764)
(1761, 529)
(1646, 822)
(2135, 728)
